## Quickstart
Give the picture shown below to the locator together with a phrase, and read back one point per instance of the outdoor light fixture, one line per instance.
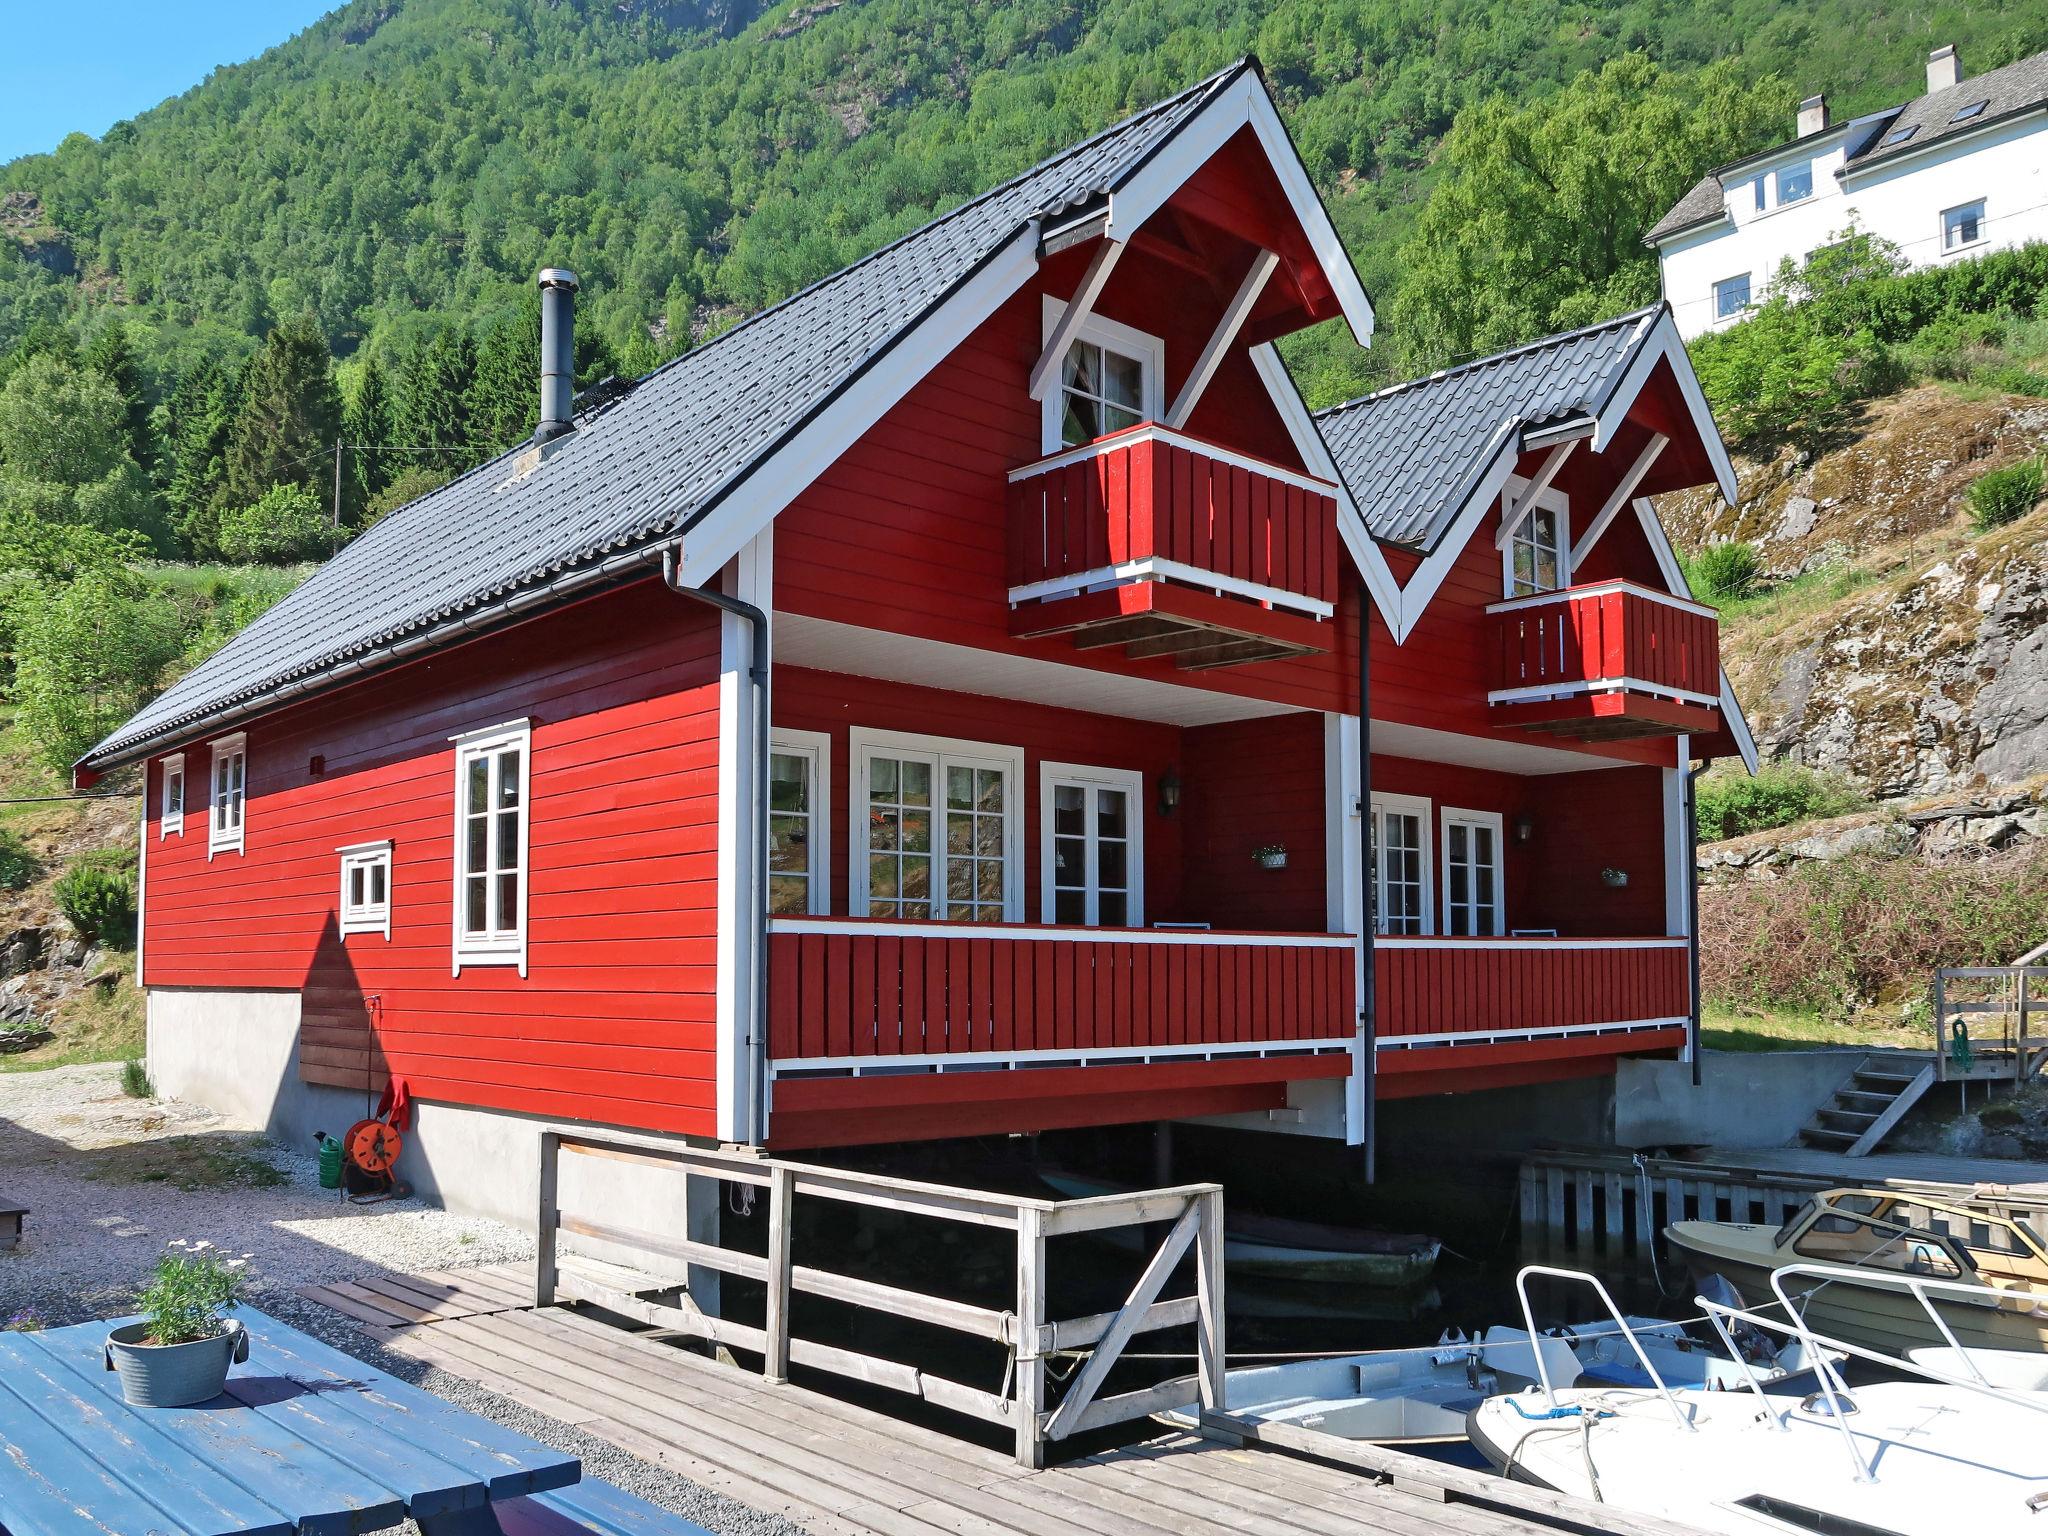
(1615, 878)
(1525, 827)
(1169, 791)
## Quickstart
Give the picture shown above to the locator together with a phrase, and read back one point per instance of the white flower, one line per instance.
(202, 1243)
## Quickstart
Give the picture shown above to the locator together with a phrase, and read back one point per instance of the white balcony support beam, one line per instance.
(1045, 372)
(1222, 338)
(1534, 489)
(1619, 498)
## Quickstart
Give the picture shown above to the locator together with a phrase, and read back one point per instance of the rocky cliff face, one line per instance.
(1904, 651)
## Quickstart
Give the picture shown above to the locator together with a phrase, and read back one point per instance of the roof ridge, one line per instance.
(1635, 316)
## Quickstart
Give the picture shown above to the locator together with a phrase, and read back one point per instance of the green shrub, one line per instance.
(88, 652)
(18, 866)
(1723, 572)
(286, 523)
(1777, 796)
(2002, 496)
(97, 897)
(135, 1081)
(2001, 1114)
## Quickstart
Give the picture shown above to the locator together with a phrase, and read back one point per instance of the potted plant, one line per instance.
(180, 1352)
(1272, 855)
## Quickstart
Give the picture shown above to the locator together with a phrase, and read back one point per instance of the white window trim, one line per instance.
(172, 823)
(1132, 783)
(1450, 816)
(1778, 198)
(817, 746)
(218, 838)
(1132, 342)
(860, 741)
(1549, 499)
(1748, 279)
(1414, 805)
(370, 917)
(506, 948)
(1941, 227)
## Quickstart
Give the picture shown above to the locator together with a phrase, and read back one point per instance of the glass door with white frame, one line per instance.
(1093, 858)
(936, 836)
(1472, 874)
(1400, 840)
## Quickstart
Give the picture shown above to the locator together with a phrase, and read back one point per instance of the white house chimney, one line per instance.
(1813, 115)
(1944, 68)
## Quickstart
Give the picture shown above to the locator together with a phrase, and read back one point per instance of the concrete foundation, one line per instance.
(238, 1054)
(1745, 1099)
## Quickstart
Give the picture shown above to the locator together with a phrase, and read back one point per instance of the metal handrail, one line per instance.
(1620, 1322)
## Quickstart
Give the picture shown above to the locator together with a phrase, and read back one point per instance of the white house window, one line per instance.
(1962, 226)
(1758, 187)
(366, 888)
(1536, 557)
(1795, 183)
(171, 813)
(1473, 899)
(1400, 841)
(938, 834)
(492, 774)
(230, 791)
(1092, 852)
(1731, 296)
(799, 796)
(1110, 379)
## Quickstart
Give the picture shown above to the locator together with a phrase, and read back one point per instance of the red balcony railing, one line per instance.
(846, 989)
(1486, 988)
(1608, 660)
(1182, 509)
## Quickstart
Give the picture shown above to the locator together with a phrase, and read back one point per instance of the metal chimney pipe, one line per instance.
(557, 353)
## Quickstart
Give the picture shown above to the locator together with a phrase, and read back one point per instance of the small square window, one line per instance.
(1962, 226)
(1731, 296)
(1795, 183)
(366, 889)
(1974, 109)
(171, 817)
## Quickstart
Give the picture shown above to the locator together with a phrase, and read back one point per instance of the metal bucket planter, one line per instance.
(173, 1375)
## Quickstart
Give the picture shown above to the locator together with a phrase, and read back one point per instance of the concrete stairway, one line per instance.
(1875, 1099)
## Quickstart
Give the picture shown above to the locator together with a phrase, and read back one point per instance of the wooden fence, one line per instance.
(1025, 1331)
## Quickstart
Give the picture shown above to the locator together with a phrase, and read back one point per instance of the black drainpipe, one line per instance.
(757, 837)
(1368, 982)
(1692, 912)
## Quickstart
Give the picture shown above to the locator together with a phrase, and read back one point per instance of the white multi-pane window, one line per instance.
(1473, 898)
(1092, 853)
(1795, 183)
(227, 807)
(491, 778)
(1536, 553)
(1962, 226)
(171, 815)
(366, 888)
(1400, 841)
(1109, 379)
(936, 832)
(799, 793)
(1731, 296)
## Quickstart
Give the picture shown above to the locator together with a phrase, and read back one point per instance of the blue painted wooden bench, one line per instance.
(587, 1507)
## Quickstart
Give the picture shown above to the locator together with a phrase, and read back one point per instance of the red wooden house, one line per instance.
(933, 708)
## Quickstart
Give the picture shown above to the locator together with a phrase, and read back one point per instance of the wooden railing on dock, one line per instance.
(1020, 1400)
(2011, 999)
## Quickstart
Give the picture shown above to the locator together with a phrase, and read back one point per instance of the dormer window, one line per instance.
(1795, 183)
(1109, 380)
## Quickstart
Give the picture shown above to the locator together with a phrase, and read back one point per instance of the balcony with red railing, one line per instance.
(1607, 662)
(1171, 546)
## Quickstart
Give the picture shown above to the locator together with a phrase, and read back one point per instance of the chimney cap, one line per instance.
(557, 277)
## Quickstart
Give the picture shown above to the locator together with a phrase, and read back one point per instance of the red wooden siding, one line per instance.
(614, 1020)
(1607, 632)
(1245, 784)
(900, 992)
(1142, 497)
(1461, 986)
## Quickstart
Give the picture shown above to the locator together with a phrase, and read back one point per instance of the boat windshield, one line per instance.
(1842, 1236)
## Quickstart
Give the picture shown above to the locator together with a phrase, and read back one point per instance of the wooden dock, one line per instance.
(838, 1469)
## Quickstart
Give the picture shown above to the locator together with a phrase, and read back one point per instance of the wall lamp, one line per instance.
(1524, 827)
(1169, 791)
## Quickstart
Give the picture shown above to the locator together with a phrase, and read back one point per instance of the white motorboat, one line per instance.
(1951, 1449)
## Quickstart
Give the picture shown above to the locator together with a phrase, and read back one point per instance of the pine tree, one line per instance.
(430, 411)
(112, 357)
(366, 428)
(504, 396)
(194, 425)
(290, 418)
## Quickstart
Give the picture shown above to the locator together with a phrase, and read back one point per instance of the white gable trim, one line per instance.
(1674, 578)
(1245, 102)
(1662, 345)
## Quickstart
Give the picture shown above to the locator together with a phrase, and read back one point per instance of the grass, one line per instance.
(93, 1024)
(1787, 602)
(208, 1161)
(1730, 1029)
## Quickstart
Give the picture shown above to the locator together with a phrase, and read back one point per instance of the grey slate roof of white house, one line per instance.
(1876, 137)
(642, 469)
(1412, 454)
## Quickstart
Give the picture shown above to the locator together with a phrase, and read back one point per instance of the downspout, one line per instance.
(1692, 913)
(757, 836)
(1368, 902)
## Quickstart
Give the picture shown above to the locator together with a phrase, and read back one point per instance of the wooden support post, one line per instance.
(1209, 1302)
(1030, 1322)
(781, 1190)
(546, 1221)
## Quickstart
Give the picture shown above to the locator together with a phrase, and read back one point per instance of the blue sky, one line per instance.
(83, 65)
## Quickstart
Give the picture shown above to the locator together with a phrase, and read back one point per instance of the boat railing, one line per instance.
(1621, 1322)
(1816, 1344)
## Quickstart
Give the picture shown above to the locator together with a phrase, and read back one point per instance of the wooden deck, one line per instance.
(1919, 1169)
(841, 1470)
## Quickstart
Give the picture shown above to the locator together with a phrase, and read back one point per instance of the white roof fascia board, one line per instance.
(1430, 575)
(1674, 578)
(1738, 723)
(1663, 344)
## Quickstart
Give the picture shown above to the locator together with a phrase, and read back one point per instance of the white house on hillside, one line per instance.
(1955, 173)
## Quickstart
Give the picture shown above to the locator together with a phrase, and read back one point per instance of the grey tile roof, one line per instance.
(1411, 455)
(641, 469)
(1706, 201)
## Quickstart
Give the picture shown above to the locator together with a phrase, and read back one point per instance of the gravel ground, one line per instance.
(109, 1180)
